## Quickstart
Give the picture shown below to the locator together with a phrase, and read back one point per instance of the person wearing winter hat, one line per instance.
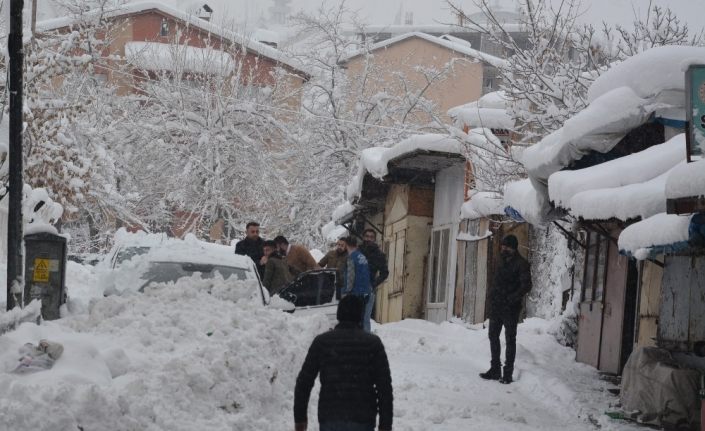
(356, 383)
(512, 282)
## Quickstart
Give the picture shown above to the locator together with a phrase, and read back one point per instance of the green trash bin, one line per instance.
(45, 272)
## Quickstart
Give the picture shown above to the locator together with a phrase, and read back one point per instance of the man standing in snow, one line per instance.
(377, 262)
(511, 283)
(276, 271)
(357, 279)
(252, 245)
(298, 257)
(356, 383)
(336, 259)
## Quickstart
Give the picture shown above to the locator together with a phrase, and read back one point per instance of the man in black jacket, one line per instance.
(355, 380)
(252, 245)
(375, 258)
(511, 283)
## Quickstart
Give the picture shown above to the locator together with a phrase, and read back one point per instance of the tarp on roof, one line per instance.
(658, 234)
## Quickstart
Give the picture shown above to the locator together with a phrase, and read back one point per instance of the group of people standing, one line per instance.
(352, 363)
(360, 269)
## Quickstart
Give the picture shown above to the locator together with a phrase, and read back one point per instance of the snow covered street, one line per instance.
(435, 372)
(179, 358)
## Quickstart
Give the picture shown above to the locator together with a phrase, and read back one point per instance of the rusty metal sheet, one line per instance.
(696, 326)
(613, 320)
(675, 298)
(589, 329)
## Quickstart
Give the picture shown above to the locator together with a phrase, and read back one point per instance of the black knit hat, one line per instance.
(511, 242)
(350, 309)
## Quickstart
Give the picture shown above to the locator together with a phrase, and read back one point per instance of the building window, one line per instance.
(438, 274)
(164, 29)
(596, 261)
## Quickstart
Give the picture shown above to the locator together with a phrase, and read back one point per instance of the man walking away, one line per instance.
(356, 383)
(298, 257)
(377, 262)
(357, 279)
(276, 271)
(336, 259)
(511, 283)
(252, 246)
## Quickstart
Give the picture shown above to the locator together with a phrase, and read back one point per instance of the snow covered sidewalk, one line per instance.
(436, 384)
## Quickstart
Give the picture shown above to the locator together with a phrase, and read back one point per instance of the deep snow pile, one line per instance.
(178, 358)
(173, 358)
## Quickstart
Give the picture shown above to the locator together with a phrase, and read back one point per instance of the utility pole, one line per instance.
(14, 223)
(34, 17)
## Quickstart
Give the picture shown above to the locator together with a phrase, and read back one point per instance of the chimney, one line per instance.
(205, 12)
(460, 16)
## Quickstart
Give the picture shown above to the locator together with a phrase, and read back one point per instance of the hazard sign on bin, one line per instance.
(41, 270)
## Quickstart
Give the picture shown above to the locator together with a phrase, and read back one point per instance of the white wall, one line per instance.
(449, 195)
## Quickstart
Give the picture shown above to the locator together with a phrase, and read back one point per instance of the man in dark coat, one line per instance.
(511, 283)
(375, 258)
(252, 246)
(276, 270)
(356, 383)
(377, 262)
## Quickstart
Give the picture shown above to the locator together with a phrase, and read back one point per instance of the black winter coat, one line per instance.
(377, 262)
(355, 378)
(511, 283)
(254, 249)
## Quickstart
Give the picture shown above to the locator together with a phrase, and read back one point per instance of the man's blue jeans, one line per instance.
(346, 426)
(367, 313)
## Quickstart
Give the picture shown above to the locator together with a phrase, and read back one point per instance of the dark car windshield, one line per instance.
(163, 272)
(128, 253)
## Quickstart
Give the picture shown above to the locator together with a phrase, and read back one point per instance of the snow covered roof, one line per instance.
(620, 100)
(599, 127)
(661, 231)
(374, 160)
(190, 19)
(192, 250)
(628, 187)
(482, 204)
(522, 197)
(655, 73)
(630, 94)
(332, 232)
(448, 44)
(686, 180)
(371, 30)
(164, 56)
(489, 111)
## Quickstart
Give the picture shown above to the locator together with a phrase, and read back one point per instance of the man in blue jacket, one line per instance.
(357, 278)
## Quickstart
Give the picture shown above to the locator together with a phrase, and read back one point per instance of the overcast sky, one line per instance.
(432, 11)
(383, 12)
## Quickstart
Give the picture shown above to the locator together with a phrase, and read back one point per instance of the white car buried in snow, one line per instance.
(145, 260)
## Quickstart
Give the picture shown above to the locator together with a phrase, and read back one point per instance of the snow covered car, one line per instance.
(313, 292)
(142, 261)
